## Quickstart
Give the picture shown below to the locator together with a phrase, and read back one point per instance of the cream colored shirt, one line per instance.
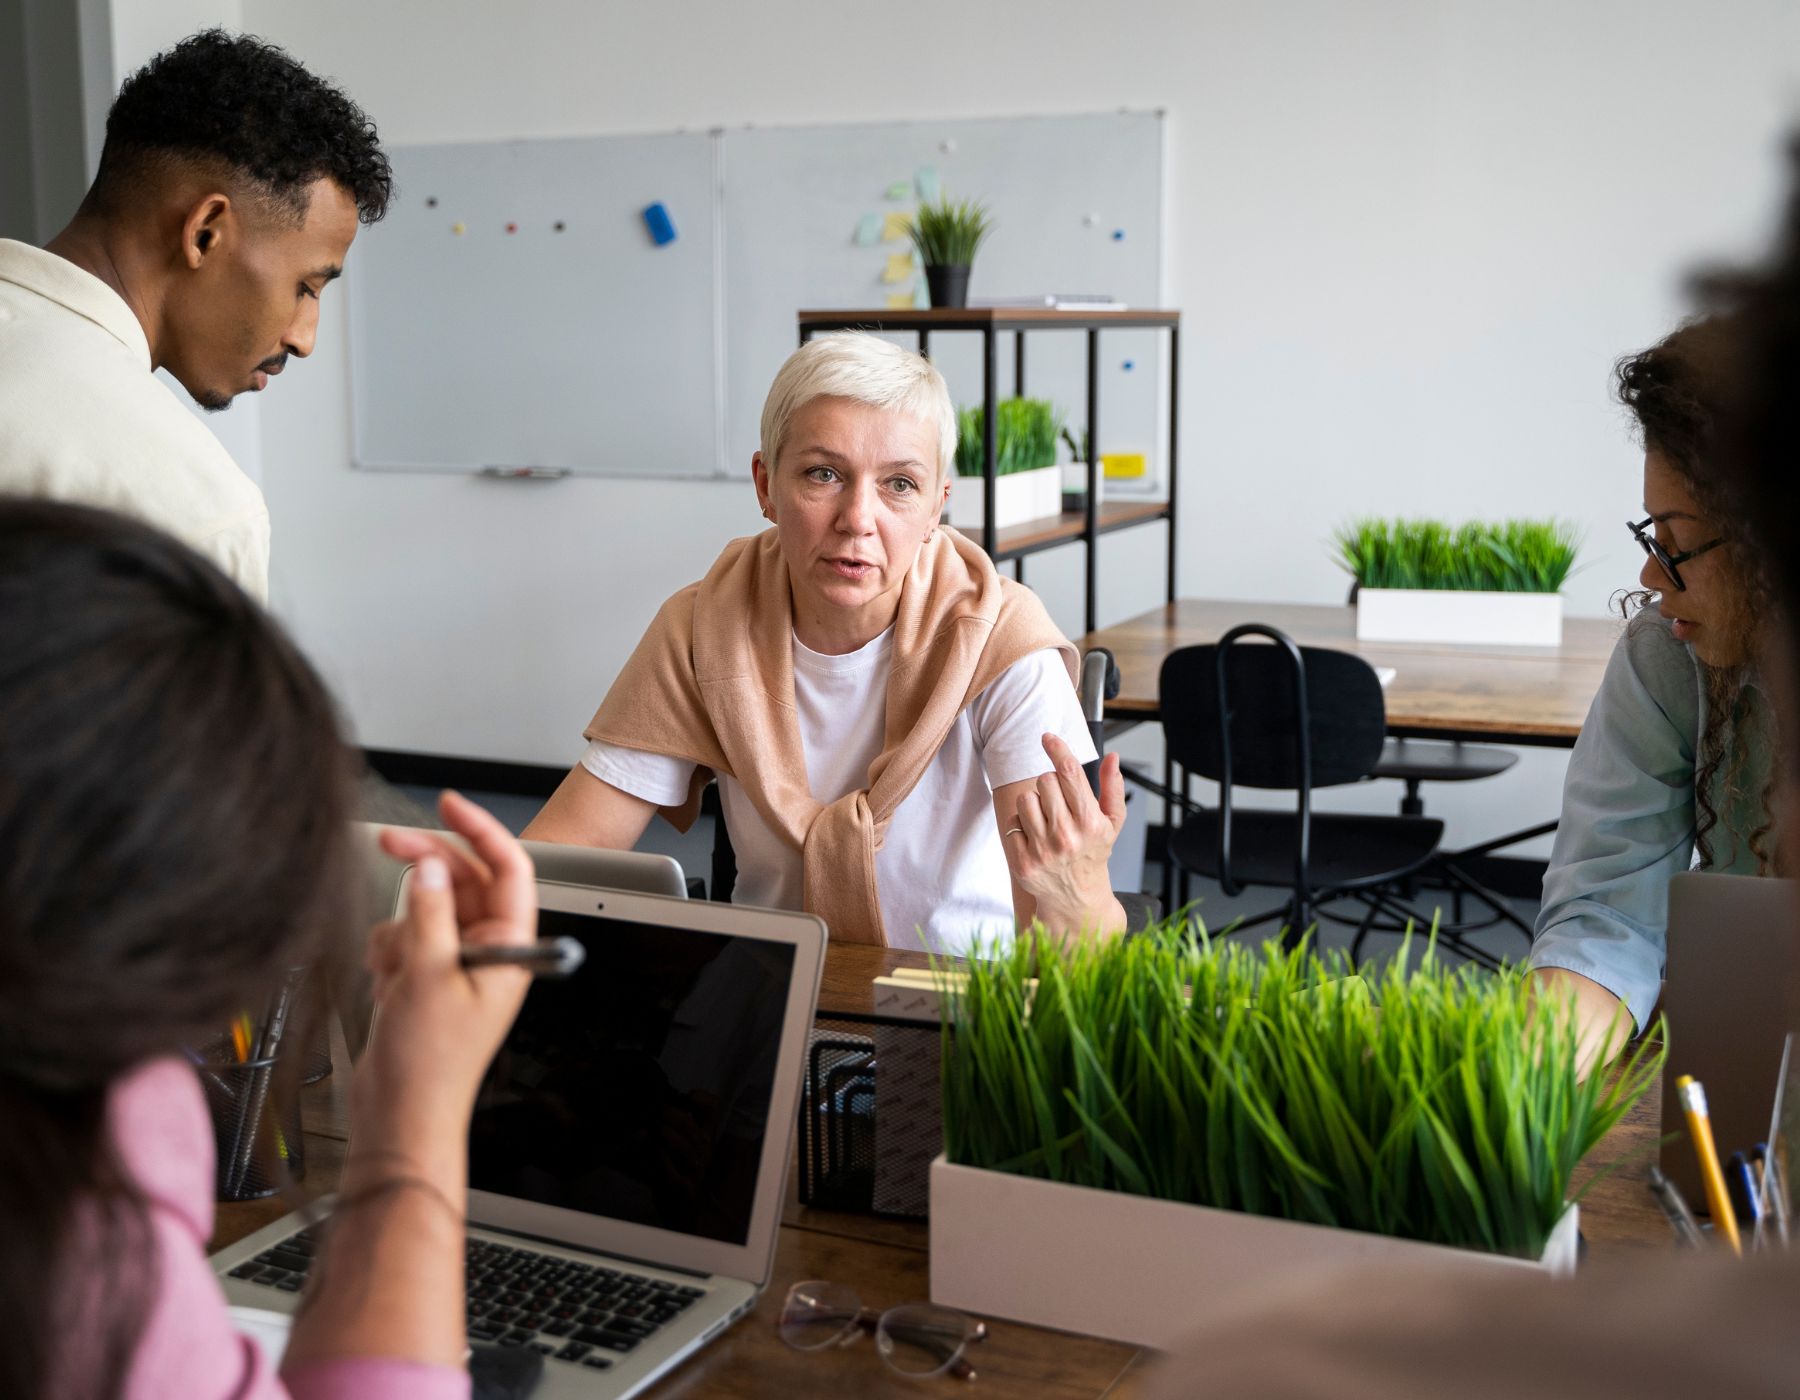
(83, 419)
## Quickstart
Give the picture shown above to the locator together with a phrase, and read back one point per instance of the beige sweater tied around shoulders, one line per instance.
(712, 681)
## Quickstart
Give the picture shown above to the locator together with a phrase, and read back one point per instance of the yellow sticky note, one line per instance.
(900, 301)
(899, 268)
(1123, 466)
(896, 226)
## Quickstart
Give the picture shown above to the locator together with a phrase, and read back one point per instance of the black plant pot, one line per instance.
(948, 287)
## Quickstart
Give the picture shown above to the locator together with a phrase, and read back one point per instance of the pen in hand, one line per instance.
(549, 957)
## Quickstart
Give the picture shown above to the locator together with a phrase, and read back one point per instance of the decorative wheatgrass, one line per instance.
(1513, 556)
(1024, 437)
(948, 232)
(1428, 1104)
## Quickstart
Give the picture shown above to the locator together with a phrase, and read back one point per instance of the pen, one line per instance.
(1693, 1102)
(549, 957)
(1675, 1207)
(1743, 1181)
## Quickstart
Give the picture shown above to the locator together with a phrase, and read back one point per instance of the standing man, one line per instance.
(230, 186)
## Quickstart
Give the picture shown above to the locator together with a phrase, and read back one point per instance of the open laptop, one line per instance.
(630, 1145)
(1729, 963)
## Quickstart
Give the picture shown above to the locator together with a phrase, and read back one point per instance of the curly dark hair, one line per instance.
(247, 106)
(1682, 393)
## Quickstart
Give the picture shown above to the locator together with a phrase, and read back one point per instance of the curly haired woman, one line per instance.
(1674, 766)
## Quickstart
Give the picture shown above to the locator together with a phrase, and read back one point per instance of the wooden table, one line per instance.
(885, 1260)
(1512, 695)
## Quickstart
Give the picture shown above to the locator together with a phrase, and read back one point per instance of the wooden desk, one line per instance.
(885, 1261)
(1514, 695)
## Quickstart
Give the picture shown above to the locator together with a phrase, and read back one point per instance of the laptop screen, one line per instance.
(639, 1088)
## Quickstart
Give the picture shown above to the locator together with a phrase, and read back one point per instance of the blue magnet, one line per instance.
(1130, 365)
(661, 226)
(1118, 235)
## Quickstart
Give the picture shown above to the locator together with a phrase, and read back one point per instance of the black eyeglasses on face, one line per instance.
(1670, 563)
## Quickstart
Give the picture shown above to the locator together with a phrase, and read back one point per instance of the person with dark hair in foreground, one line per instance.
(174, 836)
(231, 184)
(1675, 763)
(1675, 1325)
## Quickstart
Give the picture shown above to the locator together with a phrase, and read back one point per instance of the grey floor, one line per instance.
(1212, 907)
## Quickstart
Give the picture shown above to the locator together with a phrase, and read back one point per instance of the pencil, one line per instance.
(1718, 1199)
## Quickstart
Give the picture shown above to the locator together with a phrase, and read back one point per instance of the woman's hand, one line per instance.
(390, 1279)
(439, 1023)
(1058, 838)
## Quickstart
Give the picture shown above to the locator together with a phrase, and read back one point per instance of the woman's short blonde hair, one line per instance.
(865, 369)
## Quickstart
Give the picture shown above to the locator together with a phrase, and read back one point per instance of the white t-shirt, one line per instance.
(941, 875)
(83, 419)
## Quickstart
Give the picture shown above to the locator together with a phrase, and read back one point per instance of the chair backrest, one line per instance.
(1346, 714)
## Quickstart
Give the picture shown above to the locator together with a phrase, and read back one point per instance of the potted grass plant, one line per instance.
(1136, 1132)
(1426, 581)
(947, 232)
(1028, 480)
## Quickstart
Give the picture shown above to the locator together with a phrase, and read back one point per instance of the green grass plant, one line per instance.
(1426, 1103)
(1512, 556)
(1025, 433)
(948, 231)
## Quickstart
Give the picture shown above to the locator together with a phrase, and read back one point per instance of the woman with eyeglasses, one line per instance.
(1674, 764)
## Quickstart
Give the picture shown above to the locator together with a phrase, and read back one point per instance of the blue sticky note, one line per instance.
(868, 230)
(661, 226)
(927, 180)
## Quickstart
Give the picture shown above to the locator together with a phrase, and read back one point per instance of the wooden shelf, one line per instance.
(1034, 536)
(976, 318)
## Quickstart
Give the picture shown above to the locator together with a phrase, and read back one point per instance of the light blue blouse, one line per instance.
(1628, 815)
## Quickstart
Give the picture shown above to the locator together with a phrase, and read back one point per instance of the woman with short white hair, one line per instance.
(894, 727)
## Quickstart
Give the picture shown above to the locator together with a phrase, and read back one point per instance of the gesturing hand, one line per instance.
(1059, 839)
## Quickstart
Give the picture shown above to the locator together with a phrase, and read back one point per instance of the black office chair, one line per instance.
(1290, 718)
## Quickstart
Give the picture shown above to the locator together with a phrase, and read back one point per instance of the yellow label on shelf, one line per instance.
(1121, 466)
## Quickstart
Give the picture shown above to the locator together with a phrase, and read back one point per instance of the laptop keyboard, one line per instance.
(585, 1314)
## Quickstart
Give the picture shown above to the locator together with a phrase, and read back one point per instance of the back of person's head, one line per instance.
(247, 112)
(864, 369)
(174, 804)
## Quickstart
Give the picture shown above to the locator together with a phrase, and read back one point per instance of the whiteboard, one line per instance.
(593, 350)
(1059, 189)
(585, 349)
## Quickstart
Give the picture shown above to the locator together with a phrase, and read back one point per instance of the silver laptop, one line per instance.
(1731, 947)
(566, 865)
(608, 870)
(629, 1153)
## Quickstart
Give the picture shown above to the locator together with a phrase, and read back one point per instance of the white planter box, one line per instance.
(1146, 1271)
(1447, 615)
(1019, 497)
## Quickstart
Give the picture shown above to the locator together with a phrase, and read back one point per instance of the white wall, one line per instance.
(1409, 237)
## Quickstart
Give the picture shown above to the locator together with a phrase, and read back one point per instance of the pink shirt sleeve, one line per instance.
(189, 1346)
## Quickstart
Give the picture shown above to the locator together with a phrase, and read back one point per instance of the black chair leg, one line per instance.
(1460, 880)
(1362, 930)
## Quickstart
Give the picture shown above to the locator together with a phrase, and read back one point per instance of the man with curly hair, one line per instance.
(231, 184)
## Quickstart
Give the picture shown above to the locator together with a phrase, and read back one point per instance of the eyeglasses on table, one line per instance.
(919, 1340)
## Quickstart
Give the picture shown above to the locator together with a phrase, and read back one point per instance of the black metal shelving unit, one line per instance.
(1017, 542)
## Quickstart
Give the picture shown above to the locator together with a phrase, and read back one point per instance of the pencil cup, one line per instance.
(260, 1148)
